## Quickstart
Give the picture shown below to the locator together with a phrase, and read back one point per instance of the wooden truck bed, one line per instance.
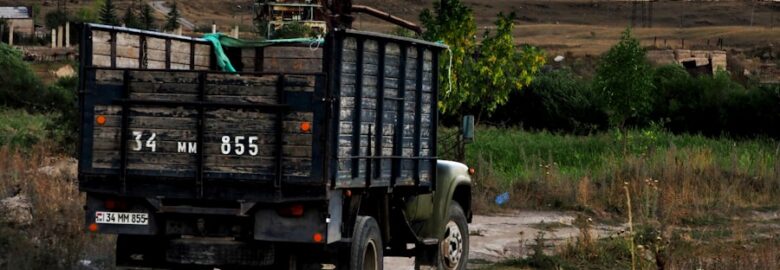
(158, 119)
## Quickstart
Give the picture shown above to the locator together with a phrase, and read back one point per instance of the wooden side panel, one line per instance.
(365, 74)
(292, 59)
(202, 56)
(133, 50)
(101, 49)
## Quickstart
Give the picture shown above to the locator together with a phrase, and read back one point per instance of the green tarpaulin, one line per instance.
(220, 40)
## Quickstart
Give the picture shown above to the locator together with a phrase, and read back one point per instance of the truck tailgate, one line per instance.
(158, 121)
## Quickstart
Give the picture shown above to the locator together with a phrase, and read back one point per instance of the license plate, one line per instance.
(121, 218)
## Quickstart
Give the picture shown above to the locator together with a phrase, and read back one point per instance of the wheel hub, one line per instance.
(452, 245)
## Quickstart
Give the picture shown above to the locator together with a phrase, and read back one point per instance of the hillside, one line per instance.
(582, 27)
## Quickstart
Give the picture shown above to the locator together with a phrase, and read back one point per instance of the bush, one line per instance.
(697, 104)
(556, 101)
(20, 87)
(64, 128)
(293, 30)
(22, 130)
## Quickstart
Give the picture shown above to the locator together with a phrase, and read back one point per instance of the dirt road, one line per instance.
(512, 235)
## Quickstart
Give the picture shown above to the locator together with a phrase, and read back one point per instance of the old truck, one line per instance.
(315, 152)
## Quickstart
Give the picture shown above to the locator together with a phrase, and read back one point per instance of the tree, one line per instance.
(481, 77)
(108, 13)
(452, 23)
(55, 18)
(146, 15)
(501, 68)
(130, 18)
(624, 80)
(36, 8)
(172, 19)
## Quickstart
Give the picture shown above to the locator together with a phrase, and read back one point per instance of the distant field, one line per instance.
(581, 27)
(593, 40)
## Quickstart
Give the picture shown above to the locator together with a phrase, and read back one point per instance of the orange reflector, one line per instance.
(305, 127)
(93, 227)
(317, 237)
(100, 120)
(472, 171)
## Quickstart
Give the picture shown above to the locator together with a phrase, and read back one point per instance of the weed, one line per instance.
(55, 237)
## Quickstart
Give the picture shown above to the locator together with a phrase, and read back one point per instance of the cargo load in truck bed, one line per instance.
(158, 119)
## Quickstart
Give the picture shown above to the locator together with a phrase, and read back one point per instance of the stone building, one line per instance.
(20, 18)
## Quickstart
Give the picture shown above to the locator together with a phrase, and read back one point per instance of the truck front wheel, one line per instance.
(366, 252)
(454, 245)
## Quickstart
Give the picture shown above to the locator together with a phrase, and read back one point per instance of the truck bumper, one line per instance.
(146, 251)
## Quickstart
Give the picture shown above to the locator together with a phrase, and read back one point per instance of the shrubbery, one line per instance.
(294, 30)
(714, 105)
(22, 93)
(556, 101)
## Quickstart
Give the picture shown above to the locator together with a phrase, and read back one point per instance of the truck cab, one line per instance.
(312, 152)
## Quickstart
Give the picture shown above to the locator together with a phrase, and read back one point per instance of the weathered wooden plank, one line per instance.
(101, 61)
(163, 96)
(294, 52)
(292, 65)
(164, 77)
(103, 75)
(236, 89)
(164, 161)
(221, 126)
(153, 43)
(151, 64)
(236, 79)
(216, 114)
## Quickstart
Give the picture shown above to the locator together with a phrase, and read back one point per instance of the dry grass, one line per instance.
(694, 201)
(55, 239)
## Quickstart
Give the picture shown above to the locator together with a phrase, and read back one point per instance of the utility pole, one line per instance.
(634, 5)
(649, 14)
(753, 13)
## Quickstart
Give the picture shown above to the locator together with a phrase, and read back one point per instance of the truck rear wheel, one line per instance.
(366, 251)
(454, 246)
(452, 252)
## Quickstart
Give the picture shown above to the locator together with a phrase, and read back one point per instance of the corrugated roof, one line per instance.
(14, 13)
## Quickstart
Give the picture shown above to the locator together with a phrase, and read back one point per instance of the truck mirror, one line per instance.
(468, 128)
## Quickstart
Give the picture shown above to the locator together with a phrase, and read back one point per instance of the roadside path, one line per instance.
(513, 235)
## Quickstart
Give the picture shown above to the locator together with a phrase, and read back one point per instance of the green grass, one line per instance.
(19, 129)
(517, 155)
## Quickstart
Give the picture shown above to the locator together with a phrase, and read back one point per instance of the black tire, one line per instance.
(366, 251)
(449, 241)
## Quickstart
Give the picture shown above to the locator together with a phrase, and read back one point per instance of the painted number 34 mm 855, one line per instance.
(238, 145)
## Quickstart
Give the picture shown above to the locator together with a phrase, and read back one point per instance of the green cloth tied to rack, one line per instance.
(220, 40)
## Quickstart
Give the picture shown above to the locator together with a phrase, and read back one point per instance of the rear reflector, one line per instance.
(305, 127)
(317, 238)
(100, 120)
(93, 227)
